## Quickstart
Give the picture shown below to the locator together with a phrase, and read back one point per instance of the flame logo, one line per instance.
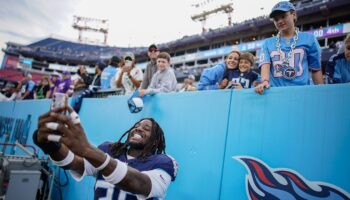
(265, 183)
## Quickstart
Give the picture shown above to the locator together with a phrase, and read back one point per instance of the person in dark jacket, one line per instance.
(93, 87)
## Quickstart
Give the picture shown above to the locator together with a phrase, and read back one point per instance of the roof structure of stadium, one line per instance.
(57, 50)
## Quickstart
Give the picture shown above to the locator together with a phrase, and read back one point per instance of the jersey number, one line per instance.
(295, 61)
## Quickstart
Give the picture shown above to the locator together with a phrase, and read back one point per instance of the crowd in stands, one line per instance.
(121, 73)
(68, 51)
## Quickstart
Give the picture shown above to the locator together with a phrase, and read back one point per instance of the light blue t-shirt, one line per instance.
(211, 77)
(342, 71)
(106, 76)
(306, 55)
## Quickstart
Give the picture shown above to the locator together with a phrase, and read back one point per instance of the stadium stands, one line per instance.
(16, 75)
(191, 54)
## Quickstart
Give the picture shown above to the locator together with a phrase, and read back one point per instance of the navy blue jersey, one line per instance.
(104, 189)
(245, 79)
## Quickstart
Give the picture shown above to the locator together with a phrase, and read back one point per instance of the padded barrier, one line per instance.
(305, 130)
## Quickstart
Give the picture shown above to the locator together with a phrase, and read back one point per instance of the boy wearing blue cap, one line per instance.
(286, 58)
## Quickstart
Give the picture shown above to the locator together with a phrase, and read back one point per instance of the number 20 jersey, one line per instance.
(306, 55)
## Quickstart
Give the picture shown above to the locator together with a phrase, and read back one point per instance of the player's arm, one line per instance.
(146, 184)
(69, 161)
(58, 152)
(72, 135)
(118, 173)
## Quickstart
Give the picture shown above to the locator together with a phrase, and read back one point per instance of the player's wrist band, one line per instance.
(66, 161)
(118, 174)
(105, 163)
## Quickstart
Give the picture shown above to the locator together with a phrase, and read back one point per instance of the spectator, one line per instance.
(84, 75)
(43, 89)
(108, 73)
(84, 79)
(96, 81)
(129, 76)
(5, 98)
(338, 66)
(164, 79)
(29, 87)
(136, 165)
(277, 59)
(95, 85)
(10, 93)
(243, 77)
(211, 78)
(151, 67)
(188, 84)
(54, 82)
(65, 83)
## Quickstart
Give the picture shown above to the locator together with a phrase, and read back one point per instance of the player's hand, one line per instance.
(43, 131)
(69, 129)
(262, 86)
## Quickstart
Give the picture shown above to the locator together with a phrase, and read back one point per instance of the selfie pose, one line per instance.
(134, 167)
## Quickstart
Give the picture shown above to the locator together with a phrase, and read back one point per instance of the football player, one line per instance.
(132, 168)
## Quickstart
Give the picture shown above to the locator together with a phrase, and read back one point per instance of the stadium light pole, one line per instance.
(202, 17)
(85, 24)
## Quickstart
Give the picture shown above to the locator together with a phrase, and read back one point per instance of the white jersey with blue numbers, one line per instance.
(159, 167)
(306, 55)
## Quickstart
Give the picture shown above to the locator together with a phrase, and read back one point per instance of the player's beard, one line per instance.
(137, 146)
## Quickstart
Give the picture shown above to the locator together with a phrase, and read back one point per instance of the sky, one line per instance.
(132, 23)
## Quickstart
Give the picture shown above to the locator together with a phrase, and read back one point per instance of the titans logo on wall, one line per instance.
(265, 183)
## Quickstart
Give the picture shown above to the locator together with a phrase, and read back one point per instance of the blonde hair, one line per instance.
(347, 39)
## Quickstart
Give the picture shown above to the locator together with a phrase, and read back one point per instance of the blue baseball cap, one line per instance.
(283, 6)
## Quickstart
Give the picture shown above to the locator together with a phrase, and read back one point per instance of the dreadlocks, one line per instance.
(156, 145)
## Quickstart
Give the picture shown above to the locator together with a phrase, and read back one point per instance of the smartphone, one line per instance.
(58, 100)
